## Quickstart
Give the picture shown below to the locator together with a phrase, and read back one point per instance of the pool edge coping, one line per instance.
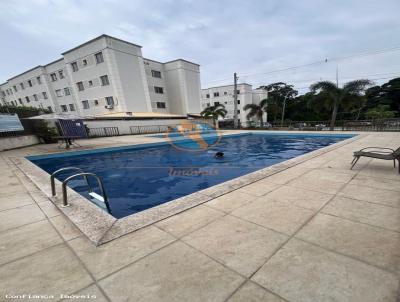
(100, 227)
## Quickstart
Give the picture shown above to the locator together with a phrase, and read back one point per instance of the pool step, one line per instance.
(96, 196)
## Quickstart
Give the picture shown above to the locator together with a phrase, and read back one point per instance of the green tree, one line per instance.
(333, 96)
(257, 111)
(214, 112)
(380, 112)
(279, 94)
(386, 94)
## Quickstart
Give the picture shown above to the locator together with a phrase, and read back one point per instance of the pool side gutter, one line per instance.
(100, 227)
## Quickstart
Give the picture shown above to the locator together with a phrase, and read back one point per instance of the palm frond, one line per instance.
(326, 86)
(357, 86)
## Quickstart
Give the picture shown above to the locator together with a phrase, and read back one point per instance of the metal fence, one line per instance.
(340, 125)
(150, 129)
(103, 131)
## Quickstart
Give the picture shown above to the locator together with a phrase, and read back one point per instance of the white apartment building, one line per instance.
(224, 95)
(105, 76)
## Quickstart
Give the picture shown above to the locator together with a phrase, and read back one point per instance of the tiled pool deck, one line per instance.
(313, 232)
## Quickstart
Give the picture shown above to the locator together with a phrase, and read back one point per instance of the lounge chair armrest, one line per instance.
(378, 148)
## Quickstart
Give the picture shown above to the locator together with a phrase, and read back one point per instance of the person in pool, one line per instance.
(219, 154)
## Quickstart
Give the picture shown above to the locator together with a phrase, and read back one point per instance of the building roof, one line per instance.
(225, 86)
(138, 115)
(182, 60)
(98, 38)
(38, 66)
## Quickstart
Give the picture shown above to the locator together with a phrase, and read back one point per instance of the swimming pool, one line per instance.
(140, 177)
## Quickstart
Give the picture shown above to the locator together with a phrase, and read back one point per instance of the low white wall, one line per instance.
(13, 142)
(124, 125)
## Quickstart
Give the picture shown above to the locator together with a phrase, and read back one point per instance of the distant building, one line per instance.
(224, 95)
(105, 76)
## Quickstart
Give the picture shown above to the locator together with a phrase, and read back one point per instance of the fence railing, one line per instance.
(150, 129)
(103, 131)
(341, 125)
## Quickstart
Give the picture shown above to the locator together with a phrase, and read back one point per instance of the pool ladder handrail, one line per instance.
(85, 176)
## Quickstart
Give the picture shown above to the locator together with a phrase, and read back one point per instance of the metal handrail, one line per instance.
(99, 181)
(53, 175)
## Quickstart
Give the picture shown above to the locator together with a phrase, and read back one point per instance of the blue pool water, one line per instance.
(140, 177)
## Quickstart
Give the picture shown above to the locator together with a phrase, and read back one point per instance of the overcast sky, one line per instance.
(249, 37)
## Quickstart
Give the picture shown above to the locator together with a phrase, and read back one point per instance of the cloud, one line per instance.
(248, 37)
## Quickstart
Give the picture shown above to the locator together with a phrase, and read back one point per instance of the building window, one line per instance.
(216, 94)
(216, 103)
(238, 101)
(27, 99)
(90, 83)
(225, 92)
(35, 97)
(84, 62)
(71, 107)
(104, 80)
(158, 90)
(22, 85)
(99, 57)
(20, 101)
(85, 104)
(66, 91)
(110, 101)
(64, 108)
(207, 95)
(156, 74)
(96, 102)
(44, 95)
(53, 77)
(238, 111)
(39, 80)
(30, 83)
(161, 105)
(74, 66)
(58, 93)
(80, 86)
(208, 104)
(50, 109)
(61, 74)
(237, 91)
(15, 88)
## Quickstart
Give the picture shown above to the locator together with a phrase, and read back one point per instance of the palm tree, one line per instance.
(334, 96)
(214, 112)
(256, 111)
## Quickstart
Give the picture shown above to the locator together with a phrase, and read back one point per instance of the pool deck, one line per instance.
(316, 231)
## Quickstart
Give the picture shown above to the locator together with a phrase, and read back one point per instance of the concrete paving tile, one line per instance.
(238, 244)
(251, 292)
(49, 209)
(385, 197)
(278, 216)
(378, 183)
(286, 176)
(28, 239)
(189, 221)
(52, 271)
(373, 245)
(313, 182)
(259, 188)
(230, 201)
(174, 273)
(303, 272)
(91, 293)
(65, 227)
(299, 197)
(109, 257)
(20, 216)
(13, 189)
(9, 181)
(329, 175)
(14, 201)
(366, 212)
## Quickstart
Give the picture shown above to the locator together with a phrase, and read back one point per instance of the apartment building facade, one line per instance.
(104, 76)
(224, 95)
